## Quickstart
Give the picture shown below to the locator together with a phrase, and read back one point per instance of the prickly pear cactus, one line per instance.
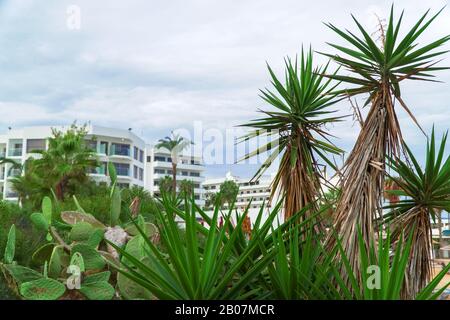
(21, 274)
(92, 259)
(81, 231)
(42, 289)
(10, 248)
(74, 217)
(149, 228)
(43, 220)
(57, 262)
(97, 287)
(130, 290)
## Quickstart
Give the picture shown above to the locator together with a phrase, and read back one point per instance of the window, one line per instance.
(141, 155)
(135, 172)
(15, 148)
(120, 149)
(135, 153)
(159, 158)
(123, 185)
(156, 183)
(213, 187)
(184, 173)
(160, 171)
(169, 159)
(149, 158)
(141, 174)
(102, 168)
(103, 147)
(195, 174)
(122, 169)
(35, 144)
(92, 145)
(196, 185)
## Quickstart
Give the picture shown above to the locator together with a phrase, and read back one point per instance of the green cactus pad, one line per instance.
(77, 260)
(134, 247)
(39, 221)
(56, 263)
(42, 289)
(100, 290)
(10, 248)
(97, 277)
(81, 231)
(150, 229)
(21, 274)
(95, 238)
(92, 259)
(74, 217)
(130, 290)
(47, 209)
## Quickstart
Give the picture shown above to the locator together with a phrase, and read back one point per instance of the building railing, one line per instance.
(115, 151)
(15, 152)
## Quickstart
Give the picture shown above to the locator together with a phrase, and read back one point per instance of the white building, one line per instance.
(134, 160)
(159, 165)
(256, 191)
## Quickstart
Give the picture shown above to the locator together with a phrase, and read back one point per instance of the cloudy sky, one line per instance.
(162, 65)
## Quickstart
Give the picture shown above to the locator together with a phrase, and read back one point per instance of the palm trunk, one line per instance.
(363, 176)
(419, 271)
(60, 188)
(300, 182)
(174, 178)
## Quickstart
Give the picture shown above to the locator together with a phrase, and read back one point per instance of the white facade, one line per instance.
(159, 165)
(135, 161)
(256, 191)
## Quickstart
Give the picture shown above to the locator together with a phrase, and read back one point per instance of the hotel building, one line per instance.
(136, 163)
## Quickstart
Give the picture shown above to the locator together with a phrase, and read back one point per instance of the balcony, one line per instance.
(15, 152)
(120, 150)
(11, 195)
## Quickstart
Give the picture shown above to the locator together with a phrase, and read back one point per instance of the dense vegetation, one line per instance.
(75, 239)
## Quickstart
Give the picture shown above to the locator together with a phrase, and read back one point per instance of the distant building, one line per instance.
(136, 163)
(256, 191)
(159, 165)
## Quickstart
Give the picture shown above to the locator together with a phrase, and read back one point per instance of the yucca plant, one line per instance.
(220, 267)
(424, 193)
(385, 271)
(377, 71)
(296, 129)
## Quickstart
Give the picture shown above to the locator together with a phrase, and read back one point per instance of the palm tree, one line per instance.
(14, 165)
(296, 127)
(426, 193)
(67, 159)
(186, 187)
(376, 71)
(175, 144)
(166, 184)
(228, 192)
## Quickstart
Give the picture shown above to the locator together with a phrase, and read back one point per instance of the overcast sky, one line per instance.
(161, 65)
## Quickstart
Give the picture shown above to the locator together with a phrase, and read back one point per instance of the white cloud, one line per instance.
(156, 66)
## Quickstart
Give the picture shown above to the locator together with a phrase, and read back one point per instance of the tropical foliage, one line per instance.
(175, 144)
(295, 127)
(424, 193)
(376, 70)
